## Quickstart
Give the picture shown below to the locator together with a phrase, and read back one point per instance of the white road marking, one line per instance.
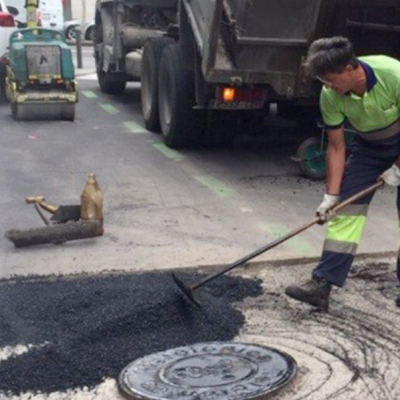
(9, 351)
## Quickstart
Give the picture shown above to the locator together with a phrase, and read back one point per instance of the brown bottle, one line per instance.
(92, 202)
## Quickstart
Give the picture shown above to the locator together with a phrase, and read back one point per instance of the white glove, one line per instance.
(324, 211)
(392, 176)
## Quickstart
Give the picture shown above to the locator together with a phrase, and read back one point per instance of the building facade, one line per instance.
(74, 9)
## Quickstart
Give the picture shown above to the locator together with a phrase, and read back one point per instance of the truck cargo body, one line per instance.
(237, 54)
(264, 42)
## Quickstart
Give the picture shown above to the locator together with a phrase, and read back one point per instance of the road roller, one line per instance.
(40, 78)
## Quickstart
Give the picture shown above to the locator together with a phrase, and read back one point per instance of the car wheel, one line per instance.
(70, 33)
(89, 35)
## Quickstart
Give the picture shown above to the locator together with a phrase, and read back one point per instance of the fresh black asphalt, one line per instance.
(92, 327)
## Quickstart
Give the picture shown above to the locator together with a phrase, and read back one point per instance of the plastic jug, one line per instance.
(92, 202)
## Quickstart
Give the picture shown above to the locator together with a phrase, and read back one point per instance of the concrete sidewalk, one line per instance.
(88, 62)
(84, 71)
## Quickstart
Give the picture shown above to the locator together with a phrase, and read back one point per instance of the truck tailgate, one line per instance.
(260, 41)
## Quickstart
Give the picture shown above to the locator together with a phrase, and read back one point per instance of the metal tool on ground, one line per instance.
(61, 214)
(41, 215)
(67, 222)
(188, 291)
(40, 78)
(54, 233)
(311, 153)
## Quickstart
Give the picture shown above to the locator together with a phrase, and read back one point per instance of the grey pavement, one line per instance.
(163, 208)
(178, 209)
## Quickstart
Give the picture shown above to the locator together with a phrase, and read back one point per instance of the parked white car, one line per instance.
(50, 13)
(7, 27)
(70, 29)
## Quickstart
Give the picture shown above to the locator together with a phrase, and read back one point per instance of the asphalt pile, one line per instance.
(92, 327)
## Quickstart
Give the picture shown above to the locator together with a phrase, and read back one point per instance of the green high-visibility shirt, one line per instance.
(377, 109)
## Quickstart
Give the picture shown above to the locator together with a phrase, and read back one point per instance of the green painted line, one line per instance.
(216, 186)
(89, 94)
(169, 153)
(134, 127)
(109, 108)
(296, 244)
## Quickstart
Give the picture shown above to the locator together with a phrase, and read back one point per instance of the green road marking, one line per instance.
(296, 244)
(89, 94)
(134, 127)
(109, 108)
(172, 154)
(216, 186)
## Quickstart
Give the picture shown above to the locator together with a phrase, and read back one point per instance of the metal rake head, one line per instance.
(187, 291)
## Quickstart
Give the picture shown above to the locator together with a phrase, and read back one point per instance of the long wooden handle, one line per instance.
(288, 236)
(359, 195)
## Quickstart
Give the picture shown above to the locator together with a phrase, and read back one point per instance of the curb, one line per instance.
(79, 73)
(206, 269)
(85, 43)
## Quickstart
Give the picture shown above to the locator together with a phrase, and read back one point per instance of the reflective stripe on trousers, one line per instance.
(364, 166)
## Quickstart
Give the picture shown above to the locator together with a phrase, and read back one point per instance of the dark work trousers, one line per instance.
(368, 160)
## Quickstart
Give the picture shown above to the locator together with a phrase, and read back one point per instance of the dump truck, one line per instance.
(211, 68)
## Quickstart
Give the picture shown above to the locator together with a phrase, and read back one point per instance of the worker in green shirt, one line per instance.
(364, 91)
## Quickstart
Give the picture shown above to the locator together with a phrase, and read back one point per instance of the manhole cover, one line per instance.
(216, 370)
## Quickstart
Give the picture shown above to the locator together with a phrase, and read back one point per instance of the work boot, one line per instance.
(314, 292)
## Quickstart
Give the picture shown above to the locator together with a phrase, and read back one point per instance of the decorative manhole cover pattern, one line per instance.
(216, 370)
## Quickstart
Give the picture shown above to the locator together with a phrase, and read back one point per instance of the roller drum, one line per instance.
(43, 111)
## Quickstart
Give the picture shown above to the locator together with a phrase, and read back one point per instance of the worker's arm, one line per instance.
(392, 175)
(335, 162)
(333, 117)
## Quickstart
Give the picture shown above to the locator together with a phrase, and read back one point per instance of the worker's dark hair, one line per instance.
(330, 55)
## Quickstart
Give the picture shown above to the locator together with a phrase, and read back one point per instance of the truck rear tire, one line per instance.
(152, 53)
(181, 125)
(109, 82)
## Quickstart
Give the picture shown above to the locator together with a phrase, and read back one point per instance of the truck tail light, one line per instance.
(228, 94)
(6, 20)
(243, 94)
